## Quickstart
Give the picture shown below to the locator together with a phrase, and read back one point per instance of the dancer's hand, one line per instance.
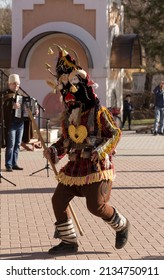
(51, 154)
(47, 153)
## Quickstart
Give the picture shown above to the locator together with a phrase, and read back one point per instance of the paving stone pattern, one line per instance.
(27, 220)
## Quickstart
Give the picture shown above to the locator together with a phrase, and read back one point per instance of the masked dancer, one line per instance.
(89, 137)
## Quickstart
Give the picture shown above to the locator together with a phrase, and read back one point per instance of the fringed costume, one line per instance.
(89, 137)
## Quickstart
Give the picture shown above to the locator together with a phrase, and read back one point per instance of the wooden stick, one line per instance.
(53, 167)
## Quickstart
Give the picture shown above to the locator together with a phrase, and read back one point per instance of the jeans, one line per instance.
(14, 139)
(159, 120)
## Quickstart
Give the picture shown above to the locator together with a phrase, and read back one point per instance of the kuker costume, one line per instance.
(89, 136)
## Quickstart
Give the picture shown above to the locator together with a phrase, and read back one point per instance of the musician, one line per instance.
(14, 126)
(89, 137)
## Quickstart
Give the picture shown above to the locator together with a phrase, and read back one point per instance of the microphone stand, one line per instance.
(47, 166)
(2, 136)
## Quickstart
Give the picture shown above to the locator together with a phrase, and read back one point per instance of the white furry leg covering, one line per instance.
(121, 225)
(118, 221)
(66, 232)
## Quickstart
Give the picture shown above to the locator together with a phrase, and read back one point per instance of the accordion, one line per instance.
(25, 102)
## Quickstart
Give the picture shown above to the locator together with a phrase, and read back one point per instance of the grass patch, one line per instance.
(143, 122)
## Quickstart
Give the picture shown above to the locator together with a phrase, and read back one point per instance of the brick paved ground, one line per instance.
(26, 217)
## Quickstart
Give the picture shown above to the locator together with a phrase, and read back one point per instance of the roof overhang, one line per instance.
(126, 52)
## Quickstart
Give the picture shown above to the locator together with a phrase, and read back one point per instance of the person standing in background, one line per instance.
(13, 126)
(159, 109)
(127, 109)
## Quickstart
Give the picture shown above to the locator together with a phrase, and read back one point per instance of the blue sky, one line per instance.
(4, 2)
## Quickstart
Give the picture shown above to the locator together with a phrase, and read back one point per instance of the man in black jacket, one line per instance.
(127, 109)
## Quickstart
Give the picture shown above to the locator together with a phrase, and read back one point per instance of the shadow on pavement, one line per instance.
(44, 255)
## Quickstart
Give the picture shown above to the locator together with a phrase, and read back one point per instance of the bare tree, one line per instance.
(5, 17)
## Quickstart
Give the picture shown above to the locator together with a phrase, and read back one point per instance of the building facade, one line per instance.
(90, 27)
